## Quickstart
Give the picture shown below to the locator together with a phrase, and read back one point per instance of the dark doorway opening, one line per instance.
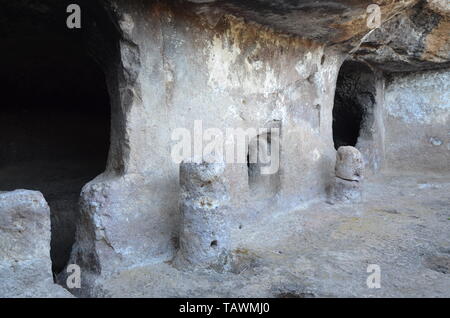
(54, 116)
(353, 104)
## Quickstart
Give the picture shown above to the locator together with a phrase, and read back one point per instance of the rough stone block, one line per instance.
(346, 191)
(25, 265)
(349, 164)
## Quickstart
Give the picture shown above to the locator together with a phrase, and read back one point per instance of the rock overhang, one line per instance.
(329, 22)
(413, 35)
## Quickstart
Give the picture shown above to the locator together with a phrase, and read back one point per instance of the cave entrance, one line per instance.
(54, 115)
(353, 112)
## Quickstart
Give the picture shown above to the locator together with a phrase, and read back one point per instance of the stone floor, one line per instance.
(323, 250)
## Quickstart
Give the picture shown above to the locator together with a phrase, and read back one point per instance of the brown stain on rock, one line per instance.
(437, 44)
(357, 27)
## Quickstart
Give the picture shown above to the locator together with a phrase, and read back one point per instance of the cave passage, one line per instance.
(353, 104)
(54, 126)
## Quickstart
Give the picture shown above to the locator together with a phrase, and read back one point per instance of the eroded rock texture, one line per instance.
(349, 164)
(229, 74)
(25, 265)
(183, 62)
(205, 210)
(417, 119)
(349, 172)
(332, 22)
(416, 39)
(238, 64)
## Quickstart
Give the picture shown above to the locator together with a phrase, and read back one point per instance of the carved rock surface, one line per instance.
(204, 205)
(25, 266)
(349, 164)
(334, 21)
(414, 40)
(346, 191)
(349, 171)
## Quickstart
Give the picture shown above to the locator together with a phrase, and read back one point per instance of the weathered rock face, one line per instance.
(331, 22)
(248, 76)
(417, 119)
(346, 191)
(240, 65)
(120, 226)
(414, 40)
(25, 265)
(414, 48)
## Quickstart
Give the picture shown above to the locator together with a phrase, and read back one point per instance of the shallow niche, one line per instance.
(263, 162)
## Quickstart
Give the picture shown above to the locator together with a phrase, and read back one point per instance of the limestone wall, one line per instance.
(417, 119)
(180, 66)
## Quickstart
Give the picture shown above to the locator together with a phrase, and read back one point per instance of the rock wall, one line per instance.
(417, 120)
(182, 66)
(232, 64)
(414, 40)
(411, 50)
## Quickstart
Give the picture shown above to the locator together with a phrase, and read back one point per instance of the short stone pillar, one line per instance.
(349, 175)
(204, 207)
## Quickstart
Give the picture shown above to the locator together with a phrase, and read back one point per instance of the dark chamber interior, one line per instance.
(54, 123)
(353, 104)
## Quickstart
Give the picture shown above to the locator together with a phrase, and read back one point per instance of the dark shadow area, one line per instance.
(353, 104)
(54, 115)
